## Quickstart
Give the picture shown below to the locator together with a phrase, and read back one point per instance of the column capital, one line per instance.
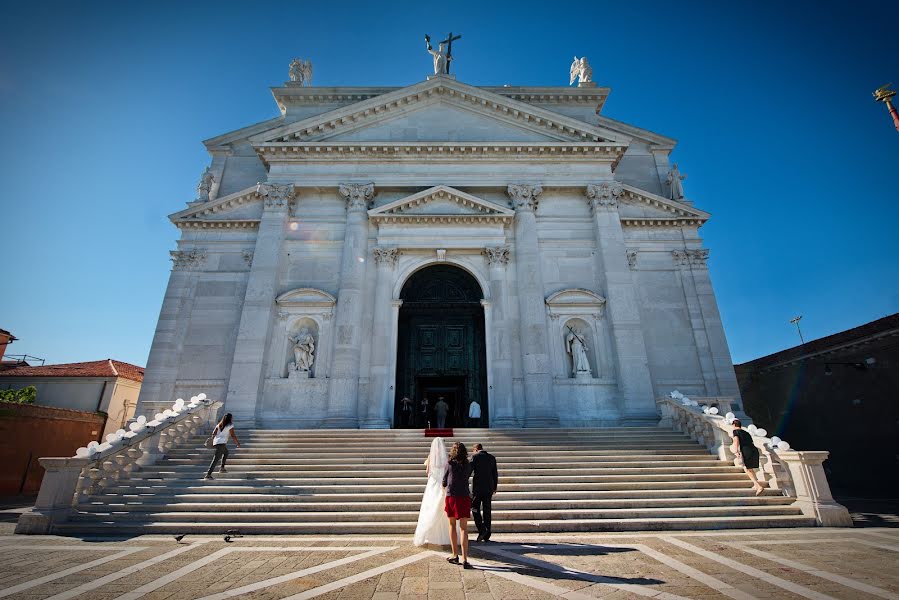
(497, 256)
(357, 195)
(604, 195)
(275, 195)
(691, 258)
(524, 196)
(631, 254)
(385, 257)
(184, 260)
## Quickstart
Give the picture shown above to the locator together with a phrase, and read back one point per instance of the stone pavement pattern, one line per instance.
(818, 564)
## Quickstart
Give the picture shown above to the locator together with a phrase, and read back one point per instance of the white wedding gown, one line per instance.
(433, 524)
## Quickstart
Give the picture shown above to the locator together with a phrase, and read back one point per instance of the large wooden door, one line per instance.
(440, 350)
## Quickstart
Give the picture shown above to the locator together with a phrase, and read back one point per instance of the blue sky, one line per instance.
(103, 107)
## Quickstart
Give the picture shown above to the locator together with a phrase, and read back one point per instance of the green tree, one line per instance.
(26, 395)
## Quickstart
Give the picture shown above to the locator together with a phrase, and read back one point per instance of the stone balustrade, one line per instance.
(796, 474)
(71, 481)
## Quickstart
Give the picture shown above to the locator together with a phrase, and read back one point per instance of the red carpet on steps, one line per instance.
(434, 432)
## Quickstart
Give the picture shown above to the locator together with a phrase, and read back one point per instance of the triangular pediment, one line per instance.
(441, 204)
(638, 205)
(420, 106)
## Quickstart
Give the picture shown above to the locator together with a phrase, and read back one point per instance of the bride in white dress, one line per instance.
(433, 524)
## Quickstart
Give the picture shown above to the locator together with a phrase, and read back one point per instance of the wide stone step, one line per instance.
(411, 516)
(307, 505)
(280, 479)
(287, 471)
(372, 528)
(242, 486)
(264, 495)
(519, 454)
(406, 463)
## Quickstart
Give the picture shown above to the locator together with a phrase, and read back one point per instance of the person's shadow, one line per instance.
(540, 567)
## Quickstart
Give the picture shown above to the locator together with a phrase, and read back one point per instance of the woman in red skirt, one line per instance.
(458, 501)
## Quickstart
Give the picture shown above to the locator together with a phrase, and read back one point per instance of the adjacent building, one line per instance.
(108, 386)
(840, 392)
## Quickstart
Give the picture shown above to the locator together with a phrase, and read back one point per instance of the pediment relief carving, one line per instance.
(575, 298)
(307, 297)
(441, 204)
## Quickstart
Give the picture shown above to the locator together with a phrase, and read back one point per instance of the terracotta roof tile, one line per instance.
(95, 368)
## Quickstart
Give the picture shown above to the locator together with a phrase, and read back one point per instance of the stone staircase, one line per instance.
(371, 481)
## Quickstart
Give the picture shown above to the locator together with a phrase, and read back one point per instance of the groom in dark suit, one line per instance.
(483, 468)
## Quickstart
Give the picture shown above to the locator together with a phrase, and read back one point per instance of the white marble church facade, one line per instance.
(315, 221)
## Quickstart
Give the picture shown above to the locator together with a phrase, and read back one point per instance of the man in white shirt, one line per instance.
(474, 414)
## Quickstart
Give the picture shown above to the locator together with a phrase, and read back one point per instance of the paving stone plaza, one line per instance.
(817, 563)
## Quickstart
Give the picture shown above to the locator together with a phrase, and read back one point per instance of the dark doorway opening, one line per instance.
(440, 348)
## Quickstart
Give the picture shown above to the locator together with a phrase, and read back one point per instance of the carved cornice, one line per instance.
(604, 195)
(275, 195)
(280, 152)
(631, 258)
(497, 255)
(660, 222)
(358, 195)
(217, 224)
(385, 256)
(187, 259)
(524, 196)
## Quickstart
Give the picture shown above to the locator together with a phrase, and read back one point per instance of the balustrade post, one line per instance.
(57, 493)
(811, 489)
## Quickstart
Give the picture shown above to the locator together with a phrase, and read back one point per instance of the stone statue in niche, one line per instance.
(576, 346)
(303, 352)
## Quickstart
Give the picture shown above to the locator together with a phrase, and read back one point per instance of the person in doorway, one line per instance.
(458, 502)
(483, 487)
(425, 407)
(406, 410)
(474, 414)
(220, 435)
(748, 454)
(441, 408)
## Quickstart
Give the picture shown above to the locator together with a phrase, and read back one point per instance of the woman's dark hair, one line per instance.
(459, 454)
(226, 420)
(736, 423)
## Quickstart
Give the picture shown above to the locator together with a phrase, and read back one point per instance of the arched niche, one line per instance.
(302, 309)
(583, 311)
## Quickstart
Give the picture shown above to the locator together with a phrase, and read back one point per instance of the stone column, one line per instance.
(500, 336)
(380, 396)
(538, 394)
(344, 383)
(158, 388)
(257, 315)
(634, 379)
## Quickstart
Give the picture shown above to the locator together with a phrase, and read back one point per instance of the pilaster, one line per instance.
(158, 387)
(634, 378)
(257, 314)
(381, 397)
(344, 383)
(683, 263)
(539, 401)
(499, 334)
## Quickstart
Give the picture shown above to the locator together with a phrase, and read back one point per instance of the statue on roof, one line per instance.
(205, 185)
(675, 187)
(443, 54)
(581, 69)
(301, 71)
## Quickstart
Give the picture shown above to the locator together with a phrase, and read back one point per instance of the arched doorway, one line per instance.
(440, 347)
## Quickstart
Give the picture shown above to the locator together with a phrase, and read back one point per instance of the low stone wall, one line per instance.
(30, 432)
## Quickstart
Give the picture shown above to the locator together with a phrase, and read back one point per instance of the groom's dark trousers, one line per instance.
(483, 486)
